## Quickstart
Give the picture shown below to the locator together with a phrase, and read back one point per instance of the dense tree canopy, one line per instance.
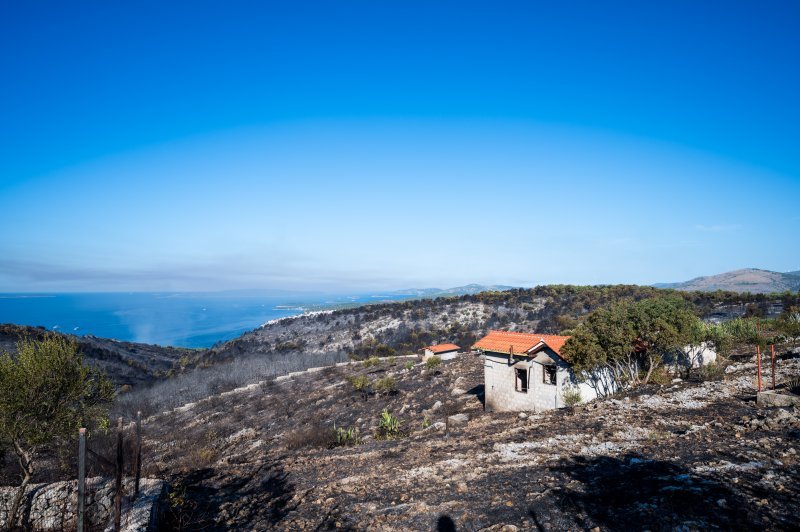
(614, 345)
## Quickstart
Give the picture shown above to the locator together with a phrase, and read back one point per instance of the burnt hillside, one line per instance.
(405, 327)
(126, 363)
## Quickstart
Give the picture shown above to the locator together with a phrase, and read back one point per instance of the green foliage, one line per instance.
(433, 362)
(359, 383)
(710, 372)
(571, 395)
(409, 365)
(426, 422)
(388, 426)
(788, 324)
(371, 361)
(46, 394)
(631, 335)
(345, 437)
(386, 385)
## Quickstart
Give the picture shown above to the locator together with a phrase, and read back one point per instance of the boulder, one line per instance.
(773, 398)
(458, 420)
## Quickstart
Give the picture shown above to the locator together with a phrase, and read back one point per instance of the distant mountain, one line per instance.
(456, 291)
(746, 280)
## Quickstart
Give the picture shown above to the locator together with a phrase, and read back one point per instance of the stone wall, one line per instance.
(54, 506)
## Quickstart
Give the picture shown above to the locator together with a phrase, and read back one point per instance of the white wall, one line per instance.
(500, 384)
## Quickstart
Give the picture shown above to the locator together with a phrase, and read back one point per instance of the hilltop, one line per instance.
(750, 280)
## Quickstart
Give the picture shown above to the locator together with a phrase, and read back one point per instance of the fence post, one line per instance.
(758, 365)
(118, 487)
(772, 347)
(81, 478)
(138, 456)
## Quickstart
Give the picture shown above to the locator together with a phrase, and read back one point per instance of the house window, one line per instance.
(549, 373)
(522, 380)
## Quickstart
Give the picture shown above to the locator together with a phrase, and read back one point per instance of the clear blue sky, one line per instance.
(375, 145)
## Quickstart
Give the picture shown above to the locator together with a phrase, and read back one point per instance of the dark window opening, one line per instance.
(549, 374)
(522, 380)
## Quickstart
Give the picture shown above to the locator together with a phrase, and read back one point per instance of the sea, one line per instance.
(181, 319)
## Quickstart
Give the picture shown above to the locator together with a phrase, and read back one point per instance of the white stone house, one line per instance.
(526, 372)
(443, 351)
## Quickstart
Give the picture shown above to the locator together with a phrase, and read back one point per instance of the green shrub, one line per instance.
(710, 372)
(571, 395)
(660, 376)
(388, 426)
(409, 365)
(426, 422)
(386, 385)
(345, 437)
(371, 361)
(392, 360)
(433, 362)
(359, 383)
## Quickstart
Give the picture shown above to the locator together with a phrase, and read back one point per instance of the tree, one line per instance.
(617, 343)
(46, 394)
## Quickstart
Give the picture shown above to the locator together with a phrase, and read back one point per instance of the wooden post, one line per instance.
(138, 457)
(758, 365)
(81, 479)
(118, 486)
(772, 347)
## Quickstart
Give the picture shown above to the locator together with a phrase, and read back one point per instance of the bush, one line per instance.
(386, 385)
(433, 362)
(388, 426)
(710, 372)
(661, 376)
(371, 361)
(345, 437)
(409, 365)
(571, 395)
(359, 383)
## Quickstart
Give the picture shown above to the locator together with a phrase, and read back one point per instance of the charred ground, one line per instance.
(696, 454)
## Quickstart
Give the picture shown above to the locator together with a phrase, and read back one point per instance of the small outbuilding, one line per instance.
(526, 372)
(443, 351)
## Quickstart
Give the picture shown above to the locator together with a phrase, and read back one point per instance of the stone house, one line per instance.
(526, 372)
(443, 351)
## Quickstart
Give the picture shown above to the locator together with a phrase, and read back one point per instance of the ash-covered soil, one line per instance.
(690, 455)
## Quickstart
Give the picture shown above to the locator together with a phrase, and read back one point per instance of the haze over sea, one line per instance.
(183, 319)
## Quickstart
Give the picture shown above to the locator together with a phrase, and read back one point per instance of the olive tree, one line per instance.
(46, 394)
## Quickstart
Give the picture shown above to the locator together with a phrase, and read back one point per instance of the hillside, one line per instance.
(126, 363)
(746, 280)
(690, 455)
(402, 328)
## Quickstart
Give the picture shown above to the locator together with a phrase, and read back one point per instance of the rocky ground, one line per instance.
(690, 455)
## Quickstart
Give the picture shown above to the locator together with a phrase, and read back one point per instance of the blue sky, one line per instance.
(378, 145)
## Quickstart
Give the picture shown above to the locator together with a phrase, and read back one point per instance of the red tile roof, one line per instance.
(519, 343)
(443, 348)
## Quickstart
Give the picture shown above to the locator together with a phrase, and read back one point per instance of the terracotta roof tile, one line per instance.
(519, 343)
(443, 348)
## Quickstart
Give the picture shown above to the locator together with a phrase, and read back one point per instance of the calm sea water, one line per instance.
(178, 319)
